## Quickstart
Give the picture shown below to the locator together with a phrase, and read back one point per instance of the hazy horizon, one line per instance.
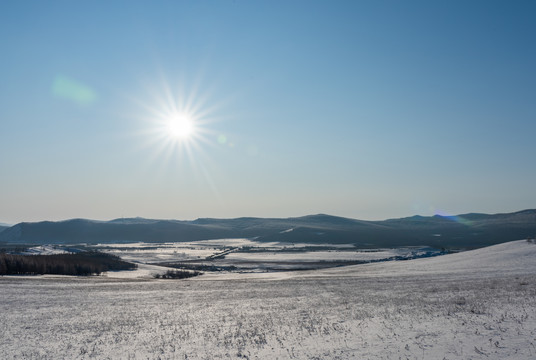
(264, 217)
(179, 110)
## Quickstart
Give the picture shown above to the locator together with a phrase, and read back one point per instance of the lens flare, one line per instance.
(454, 218)
(67, 88)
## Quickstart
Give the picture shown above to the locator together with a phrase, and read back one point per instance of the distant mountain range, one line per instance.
(461, 231)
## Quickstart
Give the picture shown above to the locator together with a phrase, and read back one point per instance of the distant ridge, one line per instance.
(470, 230)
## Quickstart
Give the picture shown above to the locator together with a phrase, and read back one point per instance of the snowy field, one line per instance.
(251, 255)
(478, 304)
(328, 255)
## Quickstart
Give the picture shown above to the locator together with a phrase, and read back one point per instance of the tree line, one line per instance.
(82, 263)
(178, 274)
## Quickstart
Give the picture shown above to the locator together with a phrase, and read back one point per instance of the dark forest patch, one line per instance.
(178, 274)
(83, 263)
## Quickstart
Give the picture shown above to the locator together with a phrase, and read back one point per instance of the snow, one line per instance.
(248, 253)
(231, 242)
(516, 257)
(315, 256)
(44, 250)
(144, 271)
(478, 304)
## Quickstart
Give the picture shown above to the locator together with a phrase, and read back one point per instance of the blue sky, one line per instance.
(364, 109)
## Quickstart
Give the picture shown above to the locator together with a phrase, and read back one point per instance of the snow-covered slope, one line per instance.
(475, 305)
(45, 250)
(515, 257)
(144, 271)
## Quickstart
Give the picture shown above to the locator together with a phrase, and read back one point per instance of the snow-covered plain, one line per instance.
(478, 304)
(329, 255)
(252, 255)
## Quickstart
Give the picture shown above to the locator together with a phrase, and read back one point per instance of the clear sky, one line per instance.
(365, 109)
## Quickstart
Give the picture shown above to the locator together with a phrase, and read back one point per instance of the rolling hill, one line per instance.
(461, 231)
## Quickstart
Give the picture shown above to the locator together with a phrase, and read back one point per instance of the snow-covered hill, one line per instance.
(45, 250)
(515, 257)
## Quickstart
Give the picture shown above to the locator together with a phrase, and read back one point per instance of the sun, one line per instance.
(177, 122)
(180, 126)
